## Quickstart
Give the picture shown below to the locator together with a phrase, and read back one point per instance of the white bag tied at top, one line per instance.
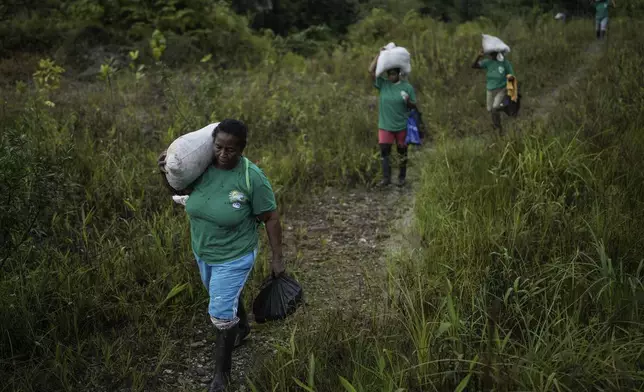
(393, 57)
(188, 157)
(494, 44)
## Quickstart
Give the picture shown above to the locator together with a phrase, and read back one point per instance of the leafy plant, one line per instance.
(157, 44)
(47, 78)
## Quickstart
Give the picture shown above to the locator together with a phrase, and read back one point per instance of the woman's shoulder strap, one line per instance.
(247, 166)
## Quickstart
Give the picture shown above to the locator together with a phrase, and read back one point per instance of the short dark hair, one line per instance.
(397, 70)
(233, 127)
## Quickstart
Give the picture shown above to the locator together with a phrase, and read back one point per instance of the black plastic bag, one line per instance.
(277, 298)
(510, 107)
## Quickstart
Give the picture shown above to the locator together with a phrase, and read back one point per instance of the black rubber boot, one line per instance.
(385, 151)
(223, 359)
(496, 121)
(402, 175)
(243, 327)
(599, 34)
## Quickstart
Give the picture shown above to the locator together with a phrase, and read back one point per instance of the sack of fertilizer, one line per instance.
(393, 56)
(494, 44)
(188, 157)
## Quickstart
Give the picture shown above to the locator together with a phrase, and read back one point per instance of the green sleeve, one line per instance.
(412, 93)
(510, 69)
(484, 63)
(379, 82)
(262, 196)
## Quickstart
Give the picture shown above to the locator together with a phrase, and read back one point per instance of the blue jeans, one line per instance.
(224, 282)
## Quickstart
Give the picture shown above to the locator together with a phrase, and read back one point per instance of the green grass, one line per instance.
(530, 277)
(97, 272)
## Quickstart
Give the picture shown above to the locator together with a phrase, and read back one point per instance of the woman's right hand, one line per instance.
(161, 161)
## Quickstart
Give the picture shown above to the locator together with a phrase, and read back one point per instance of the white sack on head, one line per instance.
(396, 57)
(494, 44)
(188, 157)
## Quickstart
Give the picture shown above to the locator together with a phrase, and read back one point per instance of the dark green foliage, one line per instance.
(32, 185)
(287, 16)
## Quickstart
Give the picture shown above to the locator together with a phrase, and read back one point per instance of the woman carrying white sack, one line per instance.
(226, 205)
(499, 72)
(397, 97)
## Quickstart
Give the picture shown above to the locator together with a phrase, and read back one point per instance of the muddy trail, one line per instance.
(336, 244)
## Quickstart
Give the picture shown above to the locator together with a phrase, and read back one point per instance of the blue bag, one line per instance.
(413, 135)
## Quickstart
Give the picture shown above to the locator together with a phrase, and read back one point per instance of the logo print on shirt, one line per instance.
(236, 198)
(501, 69)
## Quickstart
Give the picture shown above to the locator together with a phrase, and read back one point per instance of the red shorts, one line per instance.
(388, 137)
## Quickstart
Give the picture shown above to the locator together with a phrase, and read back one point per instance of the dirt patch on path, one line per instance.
(547, 102)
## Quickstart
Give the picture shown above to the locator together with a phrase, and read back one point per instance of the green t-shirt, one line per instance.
(601, 10)
(393, 112)
(496, 72)
(222, 212)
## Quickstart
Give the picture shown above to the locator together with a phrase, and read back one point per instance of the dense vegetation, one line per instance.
(194, 28)
(530, 275)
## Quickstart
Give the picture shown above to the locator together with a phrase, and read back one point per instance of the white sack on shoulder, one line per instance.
(494, 44)
(396, 57)
(188, 157)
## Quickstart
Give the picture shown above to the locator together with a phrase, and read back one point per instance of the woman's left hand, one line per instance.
(277, 267)
(274, 231)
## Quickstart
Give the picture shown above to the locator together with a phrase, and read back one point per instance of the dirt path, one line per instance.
(337, 243)
(545, 103)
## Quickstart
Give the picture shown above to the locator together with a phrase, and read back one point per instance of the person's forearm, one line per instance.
(274, 232)
(476, 62)
(411, 105)
(372, 66)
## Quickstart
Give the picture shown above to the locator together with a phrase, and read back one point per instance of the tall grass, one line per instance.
(96, 267)
(530, 276)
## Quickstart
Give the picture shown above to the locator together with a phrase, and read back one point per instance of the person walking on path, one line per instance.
(397, 97)
(499, 71)
(226, 207)
(601, 16)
